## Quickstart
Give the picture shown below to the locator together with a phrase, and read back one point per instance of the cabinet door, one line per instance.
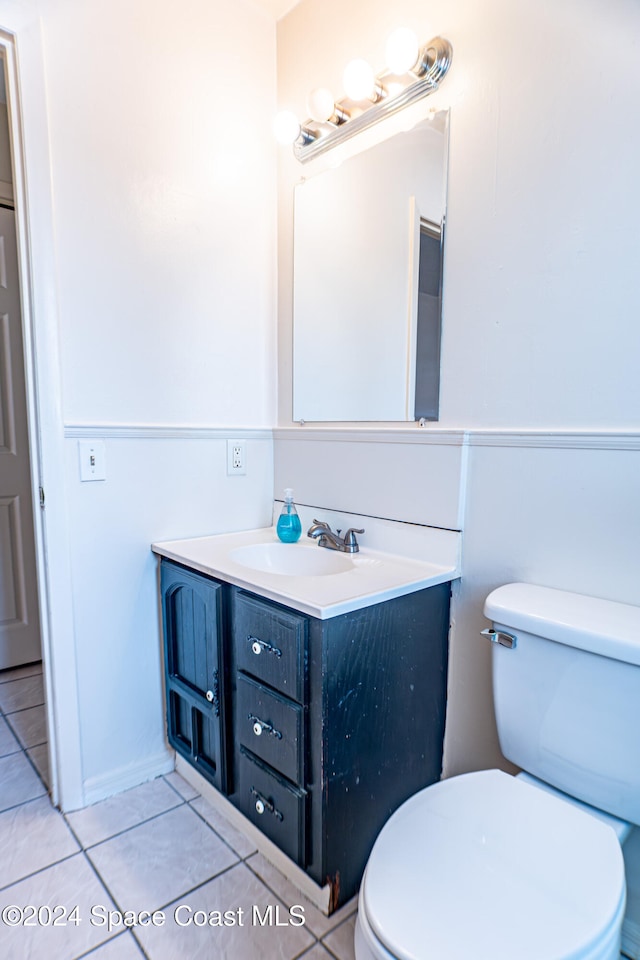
(192, 617)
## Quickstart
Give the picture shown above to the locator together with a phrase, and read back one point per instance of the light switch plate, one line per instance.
(93, 462)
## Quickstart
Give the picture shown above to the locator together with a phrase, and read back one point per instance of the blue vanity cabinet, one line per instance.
(193, 619)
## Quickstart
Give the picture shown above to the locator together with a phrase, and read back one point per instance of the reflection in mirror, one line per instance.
(368, 240)
(427, 392)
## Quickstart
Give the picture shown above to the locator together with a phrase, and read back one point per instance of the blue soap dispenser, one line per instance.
(289, 527)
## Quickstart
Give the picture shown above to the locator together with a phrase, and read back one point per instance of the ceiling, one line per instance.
(277, 8)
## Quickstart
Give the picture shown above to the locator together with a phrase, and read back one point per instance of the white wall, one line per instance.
(410, 475)
(540, 339)
(162, 176)
(163, 172)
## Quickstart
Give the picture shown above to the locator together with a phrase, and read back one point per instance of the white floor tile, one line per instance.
(67, 884)
(39, 757)
(178, 783)
(340, 940)
(237, 888)
(109, 817)
(123, 947)
(8, 743)
(20, 694)
(317, 953)
(32, 836)
(152, 864)
(317, 922)
(29, 670)
(18, 781)
(237, 840)
(30, 726)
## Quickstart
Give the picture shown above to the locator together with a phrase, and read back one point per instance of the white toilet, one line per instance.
(495, 867)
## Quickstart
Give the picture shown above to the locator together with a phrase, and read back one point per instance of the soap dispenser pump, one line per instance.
(289, 527)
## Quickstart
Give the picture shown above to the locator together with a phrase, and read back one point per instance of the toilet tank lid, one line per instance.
(604, 627)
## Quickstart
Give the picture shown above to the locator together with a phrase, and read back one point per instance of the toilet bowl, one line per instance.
(495, 867)
(486, 866)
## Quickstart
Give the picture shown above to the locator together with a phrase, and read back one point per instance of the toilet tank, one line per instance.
(567, 693)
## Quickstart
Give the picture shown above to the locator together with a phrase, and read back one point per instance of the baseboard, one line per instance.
(99, 788)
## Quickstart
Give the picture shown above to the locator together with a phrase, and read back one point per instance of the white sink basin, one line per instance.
(314, 580)
(292, 559)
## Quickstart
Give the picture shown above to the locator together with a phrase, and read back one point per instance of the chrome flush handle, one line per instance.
(499, 636)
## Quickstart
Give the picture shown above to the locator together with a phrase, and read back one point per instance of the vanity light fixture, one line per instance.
(360, 82)
(402, 51)
(323, 109)
(287, 129)
(412, 72)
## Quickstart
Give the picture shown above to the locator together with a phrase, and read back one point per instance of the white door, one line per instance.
(19, 621)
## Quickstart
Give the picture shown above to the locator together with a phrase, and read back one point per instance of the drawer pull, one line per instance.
(261, 726)
(258, 645)
(263, 804)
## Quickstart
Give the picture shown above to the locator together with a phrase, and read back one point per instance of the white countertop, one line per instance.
(372, 575)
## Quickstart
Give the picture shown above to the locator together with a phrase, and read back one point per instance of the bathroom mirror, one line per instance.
(367, 281)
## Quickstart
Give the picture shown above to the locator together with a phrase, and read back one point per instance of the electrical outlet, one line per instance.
(236, 458)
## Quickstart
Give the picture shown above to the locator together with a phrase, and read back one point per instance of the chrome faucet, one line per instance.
(333, 541)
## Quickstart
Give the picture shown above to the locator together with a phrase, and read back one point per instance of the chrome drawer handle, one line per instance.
(258, 645)
(263, 804)
(261, 726)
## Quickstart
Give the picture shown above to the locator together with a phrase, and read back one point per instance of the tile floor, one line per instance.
(157, 847)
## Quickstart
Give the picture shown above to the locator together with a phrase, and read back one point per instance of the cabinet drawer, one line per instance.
(271, 727)
(270, 644)
(274, 806)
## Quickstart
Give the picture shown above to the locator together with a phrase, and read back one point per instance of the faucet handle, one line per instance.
(350, 539)
(317, 528)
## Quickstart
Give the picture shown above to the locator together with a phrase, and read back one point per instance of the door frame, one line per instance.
(20, 31)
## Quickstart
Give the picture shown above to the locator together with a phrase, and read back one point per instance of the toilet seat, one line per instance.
(494, 868)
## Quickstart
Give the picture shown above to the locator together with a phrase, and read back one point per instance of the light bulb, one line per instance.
(286, 127)
(402, 51)
(359, 81)
(320, 104)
